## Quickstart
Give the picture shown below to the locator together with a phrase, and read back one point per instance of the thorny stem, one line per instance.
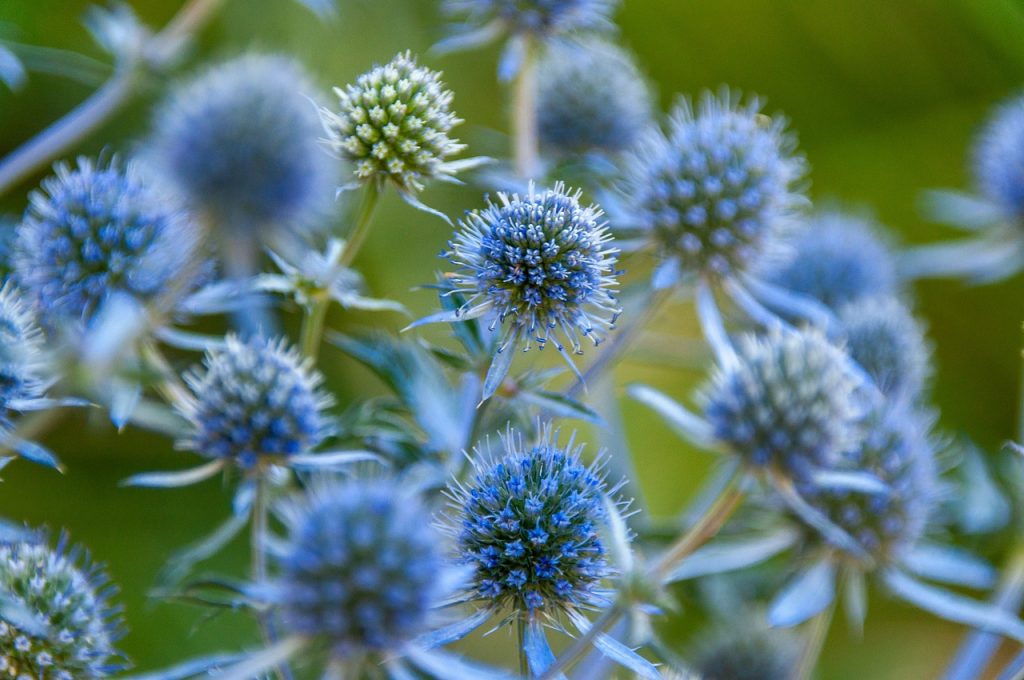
(815, 643)
(316, 311)
(526, 145)
(107, 100)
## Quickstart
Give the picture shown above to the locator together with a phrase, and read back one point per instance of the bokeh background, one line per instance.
(885, 97)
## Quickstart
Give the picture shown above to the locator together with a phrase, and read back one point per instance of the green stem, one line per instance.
(526, 144)
(316, 311)
(815, 643)
(99, 107)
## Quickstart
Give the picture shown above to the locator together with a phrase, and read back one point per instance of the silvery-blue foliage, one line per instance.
(63, 624)
(254, 398)
(591, 97)
(95, 230)
(240, 142)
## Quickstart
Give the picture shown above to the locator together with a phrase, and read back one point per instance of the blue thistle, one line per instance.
(254, 398)
(540, 264)
(394, 124)
(361, 570)
(885, 339)
(94, 231)
(791, 400)
(590, 97)
(240, 142)
(998, 158)
(896, 450)
(66, 627)
(745, 649)
(835, 258)
(22, 379)
(712, 195)
(528, 523)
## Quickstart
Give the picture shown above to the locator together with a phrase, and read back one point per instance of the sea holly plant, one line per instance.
(395, 519)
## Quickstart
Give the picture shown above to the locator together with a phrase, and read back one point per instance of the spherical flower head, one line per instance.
(528, 523)
(897, 451)
(885, 339)
(743, 650)
(361, 569)
(793, 401)
(536, 17)
(540, 262)
(590, 97)
(999, 158)
(241, 143)
(93, 231)
(21, 362)
(254, 398)
(60, 590)
(716, 191)
(394, 124)
(835, 258)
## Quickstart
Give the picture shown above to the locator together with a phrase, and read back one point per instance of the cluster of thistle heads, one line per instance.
(385, 533)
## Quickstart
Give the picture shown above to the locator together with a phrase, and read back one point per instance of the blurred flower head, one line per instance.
(745, 649)
(361, 569)
(21, 356)
(715, 192)
(393, 125)
(483, 20)
(540, 263)
(792, 401)
(835, 258)
(528, 523)
(999, 158)
(94, 231)
(887, 341)
(240, 142)
(64, 626)
(590, 97)
(254, 398)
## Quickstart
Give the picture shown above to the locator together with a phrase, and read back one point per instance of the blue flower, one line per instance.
(22, 368)
(887, 341)
(252, 399)
(590, 97)
(542, 266)
(361, 570)
(240, 142)
(63, 625)
(998, 158)
(835, 258)
(528, 523)
(744, 648)
(791, 400)
(393, 125)
(94, 231)
(713, 194)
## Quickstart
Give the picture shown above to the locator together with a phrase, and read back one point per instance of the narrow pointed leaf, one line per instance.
(35, 453)
(726, 555)
(686, 424)
(616, 651)
(261, 662)
(855, 600)
(947, 564)
(446, 666)
(561, 406)
(450, 316)
(332, 459)
(12, 72)
(849, 480)
(175, 479)
(537, 650)
(194, 668)
(455, 631)
(806, 595)
(499, 369)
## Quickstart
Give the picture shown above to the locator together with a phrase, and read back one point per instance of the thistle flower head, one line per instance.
(590, 97)
(743, 650)
(716, 190)
(240, 143)
(393, 125)
(536, 17)
(540, 262)
(528, 522)
(21, 347)
(835, 258)
(999, 158)
(361, 569)
(93, 231)
(889, 344)
(792, 401)
(897, 451)
(75, 628)
(254, 398)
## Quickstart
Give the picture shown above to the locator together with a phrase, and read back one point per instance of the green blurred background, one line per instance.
(885, 97)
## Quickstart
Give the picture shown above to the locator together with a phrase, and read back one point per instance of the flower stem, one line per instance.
(815, 643)
(524, 665)
(316, 311)
(579, 646)
(258, 567)
(78, 123)
(526, 145)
